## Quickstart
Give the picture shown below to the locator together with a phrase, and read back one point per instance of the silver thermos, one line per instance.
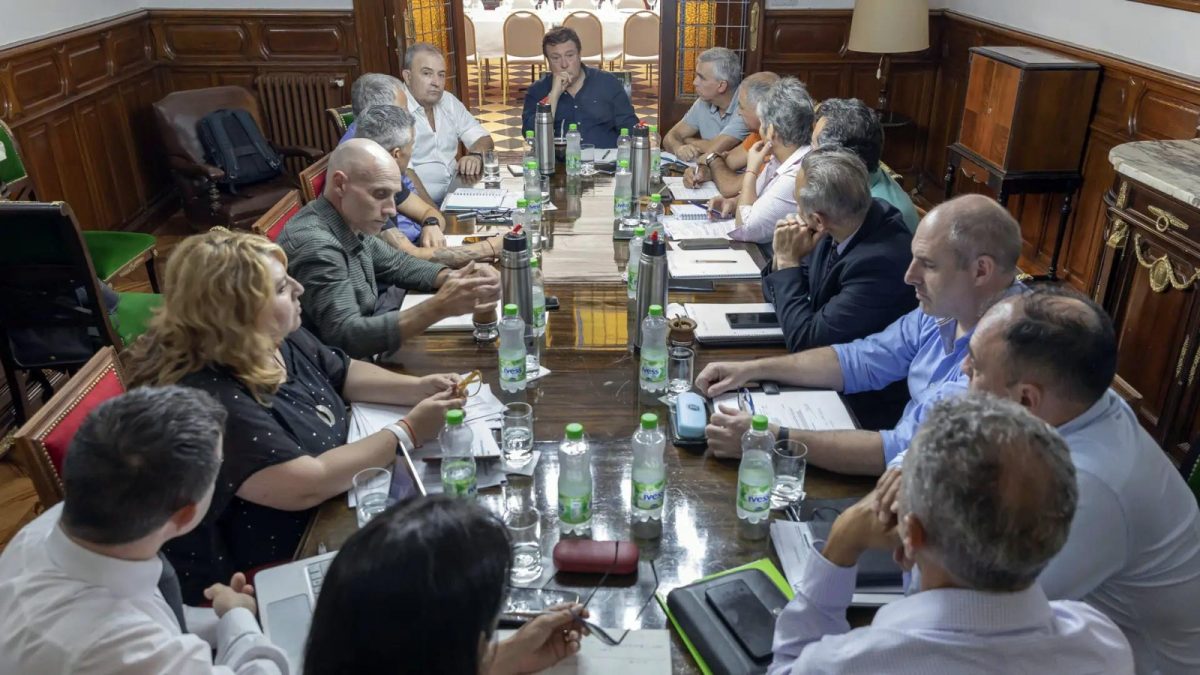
(639, 161)
(516, 284)
(652, 278)
(543, 137)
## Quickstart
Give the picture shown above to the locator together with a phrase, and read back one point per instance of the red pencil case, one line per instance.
(596, 557)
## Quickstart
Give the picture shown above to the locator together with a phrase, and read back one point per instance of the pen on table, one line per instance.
(717, 261)
(746, 401)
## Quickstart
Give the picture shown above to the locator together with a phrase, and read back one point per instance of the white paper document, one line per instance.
(679, 230)
(510, 202)
(718, 264)
(812, 410)
(712, 325)
(462, 322)
(642, 652)
(689, 212)
(702, 192)
(794, 543)
(468, 199)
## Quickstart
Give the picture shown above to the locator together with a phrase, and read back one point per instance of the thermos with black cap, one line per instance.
(515, 281)
(639, 162)
(652, 278)
(543, 128)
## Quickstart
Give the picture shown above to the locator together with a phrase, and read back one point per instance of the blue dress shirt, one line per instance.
(601, 108)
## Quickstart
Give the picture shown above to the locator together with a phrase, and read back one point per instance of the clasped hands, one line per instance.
(793, 241)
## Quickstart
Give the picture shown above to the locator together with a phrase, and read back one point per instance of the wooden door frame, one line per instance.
(381, 51)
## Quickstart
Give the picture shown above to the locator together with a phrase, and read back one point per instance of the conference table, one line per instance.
(594, 381)
(489, 27)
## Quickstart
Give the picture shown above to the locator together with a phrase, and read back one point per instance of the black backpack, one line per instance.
(233, 143)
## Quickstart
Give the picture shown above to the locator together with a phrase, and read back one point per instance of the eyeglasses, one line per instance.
(469, 385)
(601, 634)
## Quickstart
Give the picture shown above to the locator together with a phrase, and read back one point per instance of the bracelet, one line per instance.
(752, 172)
(409, 429)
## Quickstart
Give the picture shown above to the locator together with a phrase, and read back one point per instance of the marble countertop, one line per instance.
(1171, 167)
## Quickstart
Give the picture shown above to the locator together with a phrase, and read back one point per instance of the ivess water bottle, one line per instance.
(538, 283)
(649, 474)
(624, 146)
(512, 350)
(574, 482)
(533, 196)
(622, 194)
(652, 376)
(458, 460)
(574, 151)
(651, 217)
(519, 217)
(655, 156)
(530, 149)
(635, 255)
(756, 478)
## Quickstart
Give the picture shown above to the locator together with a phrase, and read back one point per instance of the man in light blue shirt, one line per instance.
(989, 493)
(712, 124)
(964, 256)
(1134, 548)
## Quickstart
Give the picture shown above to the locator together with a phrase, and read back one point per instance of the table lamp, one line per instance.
(888, 27)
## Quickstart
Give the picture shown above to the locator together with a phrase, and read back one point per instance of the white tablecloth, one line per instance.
(489, 28)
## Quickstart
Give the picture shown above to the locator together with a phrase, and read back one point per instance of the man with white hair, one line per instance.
(712, 124)
(989, 494)
(723, 168)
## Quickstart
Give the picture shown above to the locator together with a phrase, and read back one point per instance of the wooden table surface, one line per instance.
(594, 382)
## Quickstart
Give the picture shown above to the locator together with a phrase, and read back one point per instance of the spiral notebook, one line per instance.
(719, 264)
(470, 199)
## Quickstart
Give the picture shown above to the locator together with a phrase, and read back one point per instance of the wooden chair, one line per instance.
(42, 442)
(523, 32)
(591, 36)
(312, 179)
(272, 222)
(340, 117)
(472, 51)
(641, 42)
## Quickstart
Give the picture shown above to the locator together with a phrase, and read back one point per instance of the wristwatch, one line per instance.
(430, 222)
(709, 158)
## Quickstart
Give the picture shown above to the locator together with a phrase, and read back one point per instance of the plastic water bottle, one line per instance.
(651, 217)
(649, 474)
(520, 214)
(635, 256)
(623, 193)
(533, 198)
(538, 282)
(458, 460)
(530, 150)
(574, 151)
(624, 146)
(574, 482)
(655, 156)
(756, 478)
(652, 377)
(512, 350)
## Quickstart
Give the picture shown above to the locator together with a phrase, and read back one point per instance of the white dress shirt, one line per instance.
(951, 631)
(434, 153)
(776, 189)
(65, 609)
(1134, 547)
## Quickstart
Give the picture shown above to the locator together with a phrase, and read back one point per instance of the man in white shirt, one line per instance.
(989, 492)
(442, 122)
(83, 588)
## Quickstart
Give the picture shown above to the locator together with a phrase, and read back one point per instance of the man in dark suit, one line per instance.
(838, 268)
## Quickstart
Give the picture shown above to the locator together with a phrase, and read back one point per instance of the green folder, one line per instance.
(764, 565)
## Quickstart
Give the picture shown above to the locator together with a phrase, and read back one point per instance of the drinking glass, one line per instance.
(680, 362)
(491, 166)
(524, 529)
(517, 433)
(587, 159)
(790, 464)
(371, 493)
(486, 324)
(545, 182)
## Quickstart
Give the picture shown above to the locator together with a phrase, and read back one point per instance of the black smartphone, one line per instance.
(551, 303)
(702, 244)
(744, 615)
(752, 320)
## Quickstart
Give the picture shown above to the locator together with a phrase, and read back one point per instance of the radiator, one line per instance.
(294, 107)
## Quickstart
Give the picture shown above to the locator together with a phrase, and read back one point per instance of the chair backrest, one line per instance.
(522, 4)
(523, 32)
(14, 179)
(312, 179)
(632, 4)
(590, 30)
(52, 312)
(579, 4)
(469, 37)
(178, 113)
(641, 34)
(43, 441)
(341, 117)
(270, 225)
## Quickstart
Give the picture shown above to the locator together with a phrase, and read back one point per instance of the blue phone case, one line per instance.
(691, 416)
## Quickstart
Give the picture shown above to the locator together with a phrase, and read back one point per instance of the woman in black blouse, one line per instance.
(230, 325)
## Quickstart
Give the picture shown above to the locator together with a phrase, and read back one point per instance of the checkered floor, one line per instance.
(503, 118)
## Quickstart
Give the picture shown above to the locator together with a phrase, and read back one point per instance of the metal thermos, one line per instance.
(543, 135)
(639, 162)
(516, 284)
(652, 278)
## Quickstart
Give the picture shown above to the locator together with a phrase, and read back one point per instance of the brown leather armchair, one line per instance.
(203, 202)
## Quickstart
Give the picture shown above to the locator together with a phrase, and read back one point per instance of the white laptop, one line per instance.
(287, 594)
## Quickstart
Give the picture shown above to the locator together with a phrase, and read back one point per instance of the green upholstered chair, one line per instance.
(113, 253)
(341, 117)
(134, 311)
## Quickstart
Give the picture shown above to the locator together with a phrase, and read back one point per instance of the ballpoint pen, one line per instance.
(746, 401)
(717, 261)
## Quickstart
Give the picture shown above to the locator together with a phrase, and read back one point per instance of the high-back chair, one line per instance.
(579, 4)
(340, 117)
(591, 36)
(523, 32)
(312, 179)
(631, 4)
(641, 42)
(472, 51)
(42, 442)
(272, 223)
(14, 179)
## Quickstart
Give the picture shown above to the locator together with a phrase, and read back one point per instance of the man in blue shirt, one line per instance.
(964, 255)
(590, 98)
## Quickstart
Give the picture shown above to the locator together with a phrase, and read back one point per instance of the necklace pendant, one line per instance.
(326, 415)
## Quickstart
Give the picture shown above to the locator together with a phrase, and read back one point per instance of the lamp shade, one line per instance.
(889, 26)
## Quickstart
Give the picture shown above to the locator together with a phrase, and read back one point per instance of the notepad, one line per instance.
(642, 652)
(461, 322)
(811, 410)
(712, 326)
(469, 199)
(670, 158)
(689, 211)
(679, 230)
(702, 192)
(719, 264)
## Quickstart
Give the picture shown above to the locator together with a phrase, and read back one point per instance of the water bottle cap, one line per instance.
(656, 198)
(533, 263)
(511, 310)
(639, 231)
(654, 128)
(454, 417)
(655, 310)
(641, 131)
(624, 132)
(759, 423)
(575, 431)
(529, 134)
(573, 127)
(522, 203)
(531, 165)
(624, 164)
(649, 421)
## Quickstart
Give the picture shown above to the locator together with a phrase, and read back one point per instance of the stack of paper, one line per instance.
(681, 229)
(642, 652)
(712, 322)
(812, 410)
(470, 199)
(689, 212)
(461, 322)
(702, 192)
(670, 158)
(719, 264)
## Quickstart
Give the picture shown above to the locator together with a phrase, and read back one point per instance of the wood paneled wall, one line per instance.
(79, 102)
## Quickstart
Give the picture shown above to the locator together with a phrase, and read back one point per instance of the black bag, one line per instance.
(233, 143)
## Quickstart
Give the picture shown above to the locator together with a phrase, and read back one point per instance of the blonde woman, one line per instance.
(230, 325)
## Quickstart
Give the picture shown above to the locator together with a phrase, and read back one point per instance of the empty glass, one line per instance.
(371, 493)
(517, 433)
(680, 362)
(491, 166)
(587, 159)
(524, 529)
(486, 323)
(790, 464)
(545, 183)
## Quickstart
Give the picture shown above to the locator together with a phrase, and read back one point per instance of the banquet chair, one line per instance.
(272, 222)
(312, 179)
(591, 37)
(631, 4)
(579, 4)
(473, 59)
(523, 33)
(641, 42)
(340, 117)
